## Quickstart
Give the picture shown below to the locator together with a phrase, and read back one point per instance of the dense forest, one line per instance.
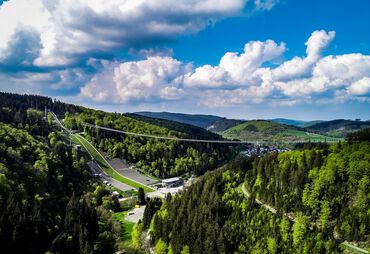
(306, 201)
(161, 158)
(14, 106)
(48, 199)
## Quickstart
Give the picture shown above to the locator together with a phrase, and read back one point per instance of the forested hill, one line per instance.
(307, 201)
(262, 130)
(10, 104)
(189, 130)
(202, 121)
(340, 127)
(224, 124)
(162, 158)
(297, 123)
(48, 198)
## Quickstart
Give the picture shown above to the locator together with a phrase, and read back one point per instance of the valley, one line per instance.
(113, 175)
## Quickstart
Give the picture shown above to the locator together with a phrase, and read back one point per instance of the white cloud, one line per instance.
(73, 29)
(207, 76)
(238, 69)
(18, 13)
(243, 78)
(331, 72)
(70, 39)
(47, 42)
(300, 67)
(265, 4)
(360, 87)
(154, 78)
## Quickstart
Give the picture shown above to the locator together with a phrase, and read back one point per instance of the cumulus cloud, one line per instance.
(146, 80)
(71, 30)
(243, 78)
(54, 42)
(22, 50)
(208, 76)
(238, 69)
(360, 87)
(300, 67)
(42, 36)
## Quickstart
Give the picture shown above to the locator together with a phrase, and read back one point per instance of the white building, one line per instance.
(172, 182)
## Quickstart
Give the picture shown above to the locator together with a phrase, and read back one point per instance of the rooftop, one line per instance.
(170, 180)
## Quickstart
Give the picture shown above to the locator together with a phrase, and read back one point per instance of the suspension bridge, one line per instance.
(231, 142)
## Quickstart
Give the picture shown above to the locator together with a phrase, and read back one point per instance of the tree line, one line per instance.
(320, 193)
(49, 201)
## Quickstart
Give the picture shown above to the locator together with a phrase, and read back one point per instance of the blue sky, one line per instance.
(237, 58)
(289, 21)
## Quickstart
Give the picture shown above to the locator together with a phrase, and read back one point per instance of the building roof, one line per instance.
(171, 180)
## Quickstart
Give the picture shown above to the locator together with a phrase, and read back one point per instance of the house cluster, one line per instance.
(257, 150)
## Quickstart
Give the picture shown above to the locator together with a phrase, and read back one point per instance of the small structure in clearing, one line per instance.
(172, 182)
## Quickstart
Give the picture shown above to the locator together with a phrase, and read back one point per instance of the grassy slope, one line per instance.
(98, 157)
(272, 131)
(126, 225)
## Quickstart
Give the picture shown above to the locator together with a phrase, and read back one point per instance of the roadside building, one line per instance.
(172, 182)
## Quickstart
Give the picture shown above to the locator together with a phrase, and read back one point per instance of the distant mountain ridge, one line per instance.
(297, 123)
(340, 127)
(198, 120)
(273, 129)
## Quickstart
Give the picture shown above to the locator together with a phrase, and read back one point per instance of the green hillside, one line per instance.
(340, 127)
(297, 123)
(310, 201)
(223, 125)
(263, 130)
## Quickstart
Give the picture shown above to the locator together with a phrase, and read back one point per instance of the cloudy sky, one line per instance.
(235, 58)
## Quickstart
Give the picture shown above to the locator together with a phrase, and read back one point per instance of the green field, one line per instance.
(313, 137)
(126, 226)
(98, 157)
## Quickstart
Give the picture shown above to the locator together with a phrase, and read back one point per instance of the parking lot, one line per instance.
(136, 214)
